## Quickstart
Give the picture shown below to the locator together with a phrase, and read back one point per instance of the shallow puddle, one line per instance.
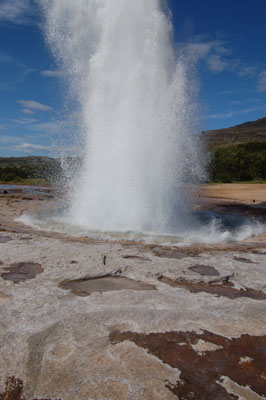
(107, 283)
(204, 270)
(241, 359)
(224, 290)
(165, 253)
(22, 271)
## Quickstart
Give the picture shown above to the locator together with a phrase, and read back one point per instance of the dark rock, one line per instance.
(205, 270)
(224, 290)
(22, 271)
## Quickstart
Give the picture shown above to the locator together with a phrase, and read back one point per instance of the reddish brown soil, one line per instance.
(201, 372)
(225, 290)
(14, 390)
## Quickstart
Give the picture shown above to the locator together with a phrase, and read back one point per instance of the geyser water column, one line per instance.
(137, 114)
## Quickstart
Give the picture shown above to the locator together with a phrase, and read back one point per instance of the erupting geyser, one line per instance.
(137, 114)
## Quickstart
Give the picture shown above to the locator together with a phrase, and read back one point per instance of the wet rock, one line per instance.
(5, 239)
(259, 252)
(244, 260)
(168, 253)
(105, 283)
(204, 270)
(135, 257)
(220, 290)
(22, 271)
(202, 373)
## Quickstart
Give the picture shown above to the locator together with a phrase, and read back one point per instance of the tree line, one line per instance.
(240, 163)
(244, 162)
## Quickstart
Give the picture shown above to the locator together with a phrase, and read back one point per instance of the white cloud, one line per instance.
(228, 92)
(31, 146)
(262, 81)
(246, 70)
(49, 128)
(199, 50)
(216, 64)
(25, 121)
(221, 115)
(25, 73)
(27, 111)
(6, 139)
(6, 58)
(215, 53)
(51, 73)
(236, 102)
(33, 105)
(218, 57)
(17, 12)
(239, 112)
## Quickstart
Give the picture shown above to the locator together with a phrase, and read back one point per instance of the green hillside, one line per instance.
(29, 170)
(253, 131)
(238, 154)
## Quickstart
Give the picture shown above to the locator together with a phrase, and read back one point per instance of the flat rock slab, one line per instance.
(128, 336)
(106, 283)
(22, 271)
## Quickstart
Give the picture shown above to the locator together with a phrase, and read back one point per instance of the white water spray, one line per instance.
(135, 96)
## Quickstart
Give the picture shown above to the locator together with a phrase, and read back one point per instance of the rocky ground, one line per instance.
(84, 319)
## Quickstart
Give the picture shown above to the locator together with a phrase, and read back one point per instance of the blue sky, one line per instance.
(227, 37)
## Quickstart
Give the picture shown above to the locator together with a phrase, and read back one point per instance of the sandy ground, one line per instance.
(236, 192)
(82, 319)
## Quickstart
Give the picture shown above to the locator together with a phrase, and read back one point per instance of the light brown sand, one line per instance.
(236, 192)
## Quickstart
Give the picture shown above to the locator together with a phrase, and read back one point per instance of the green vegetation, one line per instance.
(30, 170)
(244, 162)
(35, 170)
(237, 154)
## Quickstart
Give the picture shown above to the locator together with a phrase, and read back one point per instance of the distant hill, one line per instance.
(253, 131)
(29, 160)
(36, 169)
